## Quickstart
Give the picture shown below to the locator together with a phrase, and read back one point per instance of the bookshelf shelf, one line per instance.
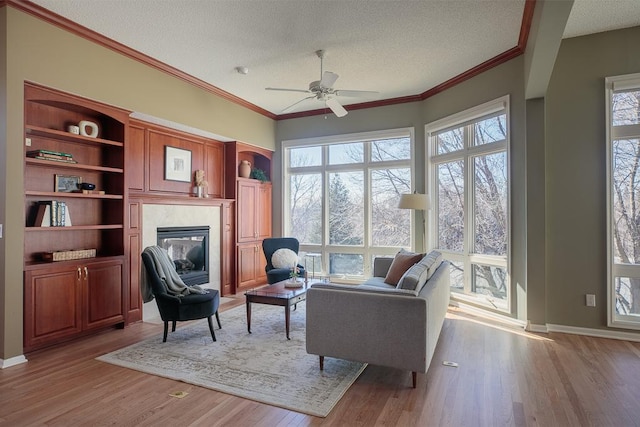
(78, 166)
(60, 195)
(75, 228)
(70, 137)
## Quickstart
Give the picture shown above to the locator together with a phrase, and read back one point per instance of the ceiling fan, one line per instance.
(323, 90)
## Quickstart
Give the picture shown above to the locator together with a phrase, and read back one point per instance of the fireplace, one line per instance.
(188, 247)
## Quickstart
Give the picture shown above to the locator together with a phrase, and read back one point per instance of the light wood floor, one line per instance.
(505, 377)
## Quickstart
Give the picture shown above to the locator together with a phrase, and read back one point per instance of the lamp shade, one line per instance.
(415, 201)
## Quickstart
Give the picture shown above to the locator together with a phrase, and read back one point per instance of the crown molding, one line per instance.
(514, 52)
(77, 29)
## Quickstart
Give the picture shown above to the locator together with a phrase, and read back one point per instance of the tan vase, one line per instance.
(245, 169)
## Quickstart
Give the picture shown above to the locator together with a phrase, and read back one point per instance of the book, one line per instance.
(53, 159)
(49, 156)
(43, 216)
(52, 213)
(48, 152)
(62, 212)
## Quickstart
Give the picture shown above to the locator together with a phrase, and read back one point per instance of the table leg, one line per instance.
(249, 316)
(287, 319)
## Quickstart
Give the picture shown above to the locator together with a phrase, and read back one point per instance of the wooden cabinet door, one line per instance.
(246, 207)
(103, 290)
(214, 169)
(264, 211)
(227, 253)
(53, 305)
(248, 266)
(134, 160)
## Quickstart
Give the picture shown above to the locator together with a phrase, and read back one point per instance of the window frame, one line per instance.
(615, 84)
(325, 169)
(467, 154)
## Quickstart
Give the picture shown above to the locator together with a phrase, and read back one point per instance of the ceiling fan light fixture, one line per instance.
(323, 90)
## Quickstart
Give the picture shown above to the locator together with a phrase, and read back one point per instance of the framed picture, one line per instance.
(177, 164)
(67, 183)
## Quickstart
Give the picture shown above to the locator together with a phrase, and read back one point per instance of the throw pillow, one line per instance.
(284, 258)
(414, 278)
(401, 263)
(432, 261)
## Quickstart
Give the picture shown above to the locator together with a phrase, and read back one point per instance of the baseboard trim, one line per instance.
(487, 314)
(532, 327)
(599, 333)
(6, 363)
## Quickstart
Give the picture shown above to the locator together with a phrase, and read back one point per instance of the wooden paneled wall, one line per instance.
(146, 160)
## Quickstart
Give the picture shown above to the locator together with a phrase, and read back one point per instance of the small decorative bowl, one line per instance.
(87, 186)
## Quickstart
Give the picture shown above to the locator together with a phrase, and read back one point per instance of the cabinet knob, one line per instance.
(79, 273)
(86, 273)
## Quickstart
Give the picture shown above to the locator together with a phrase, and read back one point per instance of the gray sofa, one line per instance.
(378, 323)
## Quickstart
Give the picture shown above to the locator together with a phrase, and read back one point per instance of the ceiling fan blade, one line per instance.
(328, 79)
(335, 106)
(355, 93)
(287, 90)
(296, 103)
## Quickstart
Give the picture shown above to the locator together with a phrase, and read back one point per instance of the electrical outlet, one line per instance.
(0, 231)
(27, 142)
(591, 300)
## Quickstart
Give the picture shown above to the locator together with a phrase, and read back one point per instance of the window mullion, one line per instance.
(468, 206)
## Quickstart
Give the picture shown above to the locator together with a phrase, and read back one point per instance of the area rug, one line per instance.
(263, 366)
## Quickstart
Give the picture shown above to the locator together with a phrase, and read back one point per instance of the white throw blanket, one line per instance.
(168, 274)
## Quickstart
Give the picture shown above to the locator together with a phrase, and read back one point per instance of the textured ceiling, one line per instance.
(398, 48)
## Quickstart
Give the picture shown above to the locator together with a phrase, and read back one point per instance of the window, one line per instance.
(469, 187)
(341, 200)
(623, 195)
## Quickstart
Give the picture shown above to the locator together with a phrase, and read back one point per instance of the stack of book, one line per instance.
(52, 213)
(56, 156)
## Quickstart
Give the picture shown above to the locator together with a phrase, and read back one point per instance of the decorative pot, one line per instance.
(245, 169)
(293, 283)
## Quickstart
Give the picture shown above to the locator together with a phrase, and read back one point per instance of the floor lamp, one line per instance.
(417, 202)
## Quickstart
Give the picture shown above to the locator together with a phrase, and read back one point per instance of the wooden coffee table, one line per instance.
(276, 294)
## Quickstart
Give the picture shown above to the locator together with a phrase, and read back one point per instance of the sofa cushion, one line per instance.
(284, 258)
(377, 282)
(401, 263)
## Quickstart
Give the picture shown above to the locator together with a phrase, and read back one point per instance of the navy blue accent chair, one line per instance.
(179, 309)
(272, 244)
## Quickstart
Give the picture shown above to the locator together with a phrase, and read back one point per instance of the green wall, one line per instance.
(3, 169)
(576, 254)
(39, 52)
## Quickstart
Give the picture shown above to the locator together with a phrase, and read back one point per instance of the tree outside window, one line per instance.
(343, 199)
(469, 164)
